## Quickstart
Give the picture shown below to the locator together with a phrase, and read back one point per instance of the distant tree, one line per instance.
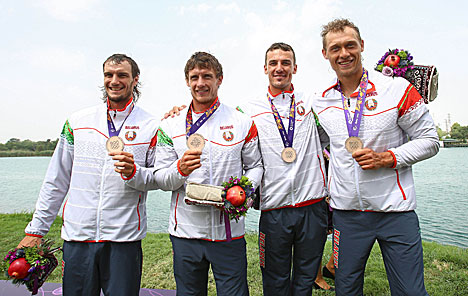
(441, 133)
(459, 132)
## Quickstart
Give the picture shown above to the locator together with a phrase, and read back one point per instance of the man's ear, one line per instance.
(135, 80)
(324, 53)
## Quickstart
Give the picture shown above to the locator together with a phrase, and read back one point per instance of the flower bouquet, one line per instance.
(30, 266)
(399, 62)
(238, 197)
(395, 62)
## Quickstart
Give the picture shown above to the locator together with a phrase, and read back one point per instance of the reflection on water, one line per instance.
(441, 188)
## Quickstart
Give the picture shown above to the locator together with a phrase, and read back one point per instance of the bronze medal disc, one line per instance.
(115, 144)
(288, 154)
(196, 141)
(353, 143)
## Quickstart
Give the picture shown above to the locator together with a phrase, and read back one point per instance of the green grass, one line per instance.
(446, 267)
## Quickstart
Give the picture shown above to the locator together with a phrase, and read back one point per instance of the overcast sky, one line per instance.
(52, 50)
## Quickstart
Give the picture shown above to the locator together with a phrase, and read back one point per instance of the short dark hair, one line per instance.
(119, 58)
(338, 25)
(203, 60)
(284, 47)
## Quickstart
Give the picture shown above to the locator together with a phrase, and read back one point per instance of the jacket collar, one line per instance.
(354, 94)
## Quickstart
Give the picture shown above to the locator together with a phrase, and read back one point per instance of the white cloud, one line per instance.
(280, 5)
(230, 7)
(68, 10)
(55, 59)
(198, 8)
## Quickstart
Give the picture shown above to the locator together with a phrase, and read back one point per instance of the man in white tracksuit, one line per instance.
(198, 233)
(370, 178)
(103, 219)
(293, 222)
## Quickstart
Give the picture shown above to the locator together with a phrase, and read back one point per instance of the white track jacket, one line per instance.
(99, 207)
(296, 184)
(231, 149)
(394, 119)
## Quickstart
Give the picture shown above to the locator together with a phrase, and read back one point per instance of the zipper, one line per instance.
(175, 211)
(98, 229)
(321, 170)
(138, 211)
(63, 213)
(399, 185)
(356, 181)
(212, 208)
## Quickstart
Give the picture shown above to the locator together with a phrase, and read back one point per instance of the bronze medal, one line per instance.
(196, 141)
(288, 154)
(353, 143)
(115, 144)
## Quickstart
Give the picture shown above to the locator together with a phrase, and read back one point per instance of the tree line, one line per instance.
(16, 147)
(457, 132)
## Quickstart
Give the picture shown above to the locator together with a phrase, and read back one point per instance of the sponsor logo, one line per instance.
(371, 104)
(336, 246)
(130, 135)
(300, 110)
(228, 136)
(261, 247)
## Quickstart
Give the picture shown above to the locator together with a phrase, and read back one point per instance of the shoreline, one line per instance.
(445, 266)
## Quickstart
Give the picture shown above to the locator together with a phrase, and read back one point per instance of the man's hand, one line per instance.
(29, 241)
(125, 164)
(190, 161)
(174, 111)
(368, 159)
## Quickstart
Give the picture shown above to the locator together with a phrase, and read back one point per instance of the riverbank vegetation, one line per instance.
(457, 132)
(446, 267)
(15, 147)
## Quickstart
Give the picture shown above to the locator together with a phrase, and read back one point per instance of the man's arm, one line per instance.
(415, 121)
(169, 172)
(53, 190)
(252, 158)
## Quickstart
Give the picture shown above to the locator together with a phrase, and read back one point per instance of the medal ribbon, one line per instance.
(110, 124)
(191, 129)
(286, 138)
(227, 226)
(355, 123)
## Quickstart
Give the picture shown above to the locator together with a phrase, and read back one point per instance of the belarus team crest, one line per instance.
(228, 136)
(130, 135)
(371, 104)
(300, 110)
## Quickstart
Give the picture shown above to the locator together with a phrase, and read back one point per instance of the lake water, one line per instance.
(441, 188)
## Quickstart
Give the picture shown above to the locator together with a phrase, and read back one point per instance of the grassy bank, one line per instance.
(446, 267)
